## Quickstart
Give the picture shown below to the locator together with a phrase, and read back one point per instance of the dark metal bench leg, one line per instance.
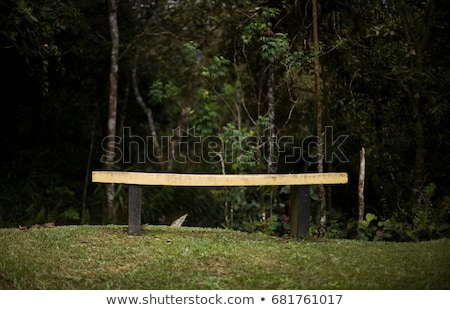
(299, 211)
(134, 210)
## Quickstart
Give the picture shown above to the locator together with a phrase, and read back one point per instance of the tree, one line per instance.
(319, 123)
(418, 23)
(112, 107)
(384, 75)
(247, 72)
(31, 30)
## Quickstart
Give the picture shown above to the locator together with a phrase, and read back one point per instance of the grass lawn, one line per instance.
(104, 257)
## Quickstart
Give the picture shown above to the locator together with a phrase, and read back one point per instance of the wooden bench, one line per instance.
(299, 195)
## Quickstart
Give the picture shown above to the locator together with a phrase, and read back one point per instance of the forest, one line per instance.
(228, 87)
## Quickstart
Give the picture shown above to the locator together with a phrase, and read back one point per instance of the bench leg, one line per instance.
(134, 210)
(299, 211)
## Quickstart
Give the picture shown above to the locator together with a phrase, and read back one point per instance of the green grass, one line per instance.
(104, 257)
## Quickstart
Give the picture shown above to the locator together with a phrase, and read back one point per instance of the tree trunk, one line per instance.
(362, 174)
(87, 177)
(419, 161)
(272, 159)
(322, 193)
(110, 211)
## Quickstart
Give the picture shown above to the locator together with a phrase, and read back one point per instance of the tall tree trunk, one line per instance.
(87, 176)
(419, 161)
(362, 175)
(272, 159)
(110, 211)
(319, 108)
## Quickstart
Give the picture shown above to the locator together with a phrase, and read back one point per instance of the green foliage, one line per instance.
(242, 155)
(274, 47)
(250, 209)
(430, 221)
(57, 204)
(366, 230)
(431, 217)
(159, 92)
(206, 117)
(32, 28)
(269, 225)
(218, 68)
(192, 52)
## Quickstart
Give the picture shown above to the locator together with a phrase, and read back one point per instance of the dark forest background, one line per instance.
(238, 73)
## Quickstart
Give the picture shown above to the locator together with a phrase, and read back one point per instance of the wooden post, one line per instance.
(134, 210)
(299, 211)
